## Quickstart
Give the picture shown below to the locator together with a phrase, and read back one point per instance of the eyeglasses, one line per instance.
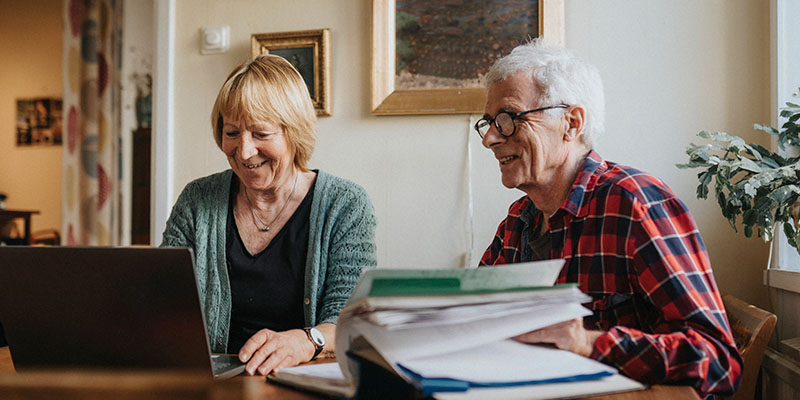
(504, 121)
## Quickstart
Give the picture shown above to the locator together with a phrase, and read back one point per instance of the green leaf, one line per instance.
(765, 128)
(693, 164)
(752, 151)
(749, 189)
(749, 165)
(702, 188)
(734, 141)
(749, 180)
(788, 230)
(704, 177)
(781, 194)
(769, 162)
(702, 192)
(749, 217)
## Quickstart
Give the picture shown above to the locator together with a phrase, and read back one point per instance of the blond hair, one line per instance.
(269, 88)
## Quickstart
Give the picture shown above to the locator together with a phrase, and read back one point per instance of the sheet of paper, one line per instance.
(505, 361)
(407, 319)
(329, 371)
(325, 378)
(613, 384)
(395, 345)
(412, 302)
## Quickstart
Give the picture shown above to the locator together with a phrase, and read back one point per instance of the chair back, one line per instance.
(752, 328)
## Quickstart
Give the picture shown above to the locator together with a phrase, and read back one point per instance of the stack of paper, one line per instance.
(448, 332)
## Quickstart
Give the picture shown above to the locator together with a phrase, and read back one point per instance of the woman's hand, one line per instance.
(269, 350)
(569, 335)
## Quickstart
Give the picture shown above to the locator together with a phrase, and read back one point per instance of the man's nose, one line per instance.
(492, 137)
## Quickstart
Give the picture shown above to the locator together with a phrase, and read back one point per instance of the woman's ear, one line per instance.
(575, 120)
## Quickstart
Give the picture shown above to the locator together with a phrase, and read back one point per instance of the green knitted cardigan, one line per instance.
(341, 243)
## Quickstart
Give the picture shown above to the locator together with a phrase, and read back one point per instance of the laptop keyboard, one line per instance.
(224, 363)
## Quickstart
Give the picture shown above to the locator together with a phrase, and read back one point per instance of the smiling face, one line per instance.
(531, 158)
(258, 152)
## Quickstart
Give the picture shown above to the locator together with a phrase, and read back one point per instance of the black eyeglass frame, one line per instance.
(514, 116)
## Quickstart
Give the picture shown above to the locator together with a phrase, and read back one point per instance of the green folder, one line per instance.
(507, 278)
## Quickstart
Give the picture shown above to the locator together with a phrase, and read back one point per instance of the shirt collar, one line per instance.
(528, 211)
(592, 168)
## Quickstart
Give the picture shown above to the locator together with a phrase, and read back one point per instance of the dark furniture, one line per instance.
(25, 215)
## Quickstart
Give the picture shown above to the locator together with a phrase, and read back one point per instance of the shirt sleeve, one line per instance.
(691, 341)
(494, 254)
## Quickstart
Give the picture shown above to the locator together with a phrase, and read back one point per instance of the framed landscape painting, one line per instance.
(429, 56)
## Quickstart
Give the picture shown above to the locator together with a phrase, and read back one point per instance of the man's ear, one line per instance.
(576, 117)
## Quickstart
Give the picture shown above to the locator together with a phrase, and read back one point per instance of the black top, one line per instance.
(267, 288)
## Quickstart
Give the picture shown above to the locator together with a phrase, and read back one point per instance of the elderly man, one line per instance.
(628, 241)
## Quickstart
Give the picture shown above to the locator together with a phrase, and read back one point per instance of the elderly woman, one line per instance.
(278, 247)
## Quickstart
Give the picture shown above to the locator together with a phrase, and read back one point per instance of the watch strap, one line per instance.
(317, 347)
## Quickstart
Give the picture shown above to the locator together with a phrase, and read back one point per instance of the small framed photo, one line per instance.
(309, 52)
(39, 122)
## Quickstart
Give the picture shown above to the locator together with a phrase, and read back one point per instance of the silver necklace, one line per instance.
(257, 221)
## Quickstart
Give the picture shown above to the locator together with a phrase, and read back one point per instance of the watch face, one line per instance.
(317, 337)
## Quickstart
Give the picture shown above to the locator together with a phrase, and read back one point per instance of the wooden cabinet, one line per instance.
(140, 187)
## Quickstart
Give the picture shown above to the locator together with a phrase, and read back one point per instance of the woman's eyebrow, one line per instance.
(258, 127)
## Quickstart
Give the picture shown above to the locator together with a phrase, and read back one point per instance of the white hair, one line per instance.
(560, 78)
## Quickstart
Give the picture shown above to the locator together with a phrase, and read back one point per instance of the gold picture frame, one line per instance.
(309, 52)
(387, 100)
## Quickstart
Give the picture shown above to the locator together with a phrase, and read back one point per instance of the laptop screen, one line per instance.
(102, 307)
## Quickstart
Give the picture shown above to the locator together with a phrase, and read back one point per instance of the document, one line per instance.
(325, 378)
(507, 363)
(446, 331)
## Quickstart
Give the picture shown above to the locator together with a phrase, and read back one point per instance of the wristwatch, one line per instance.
(316, 338)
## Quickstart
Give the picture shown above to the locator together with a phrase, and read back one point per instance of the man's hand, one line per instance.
(268, 350)
(568, 335)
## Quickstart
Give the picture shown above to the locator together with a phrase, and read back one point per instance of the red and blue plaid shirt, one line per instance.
(632, 245)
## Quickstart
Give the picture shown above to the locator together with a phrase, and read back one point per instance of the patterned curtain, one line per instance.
(92, 64)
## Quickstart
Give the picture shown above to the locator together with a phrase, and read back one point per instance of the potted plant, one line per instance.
(752, 182)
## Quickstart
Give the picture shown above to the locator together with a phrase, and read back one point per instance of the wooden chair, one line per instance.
(752, 328)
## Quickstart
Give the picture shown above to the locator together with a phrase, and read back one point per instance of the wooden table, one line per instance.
(185, 385)
(6, 215)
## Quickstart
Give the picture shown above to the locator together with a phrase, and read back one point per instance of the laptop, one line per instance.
(105, 307)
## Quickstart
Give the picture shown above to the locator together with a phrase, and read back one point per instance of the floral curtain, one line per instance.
(92, 55)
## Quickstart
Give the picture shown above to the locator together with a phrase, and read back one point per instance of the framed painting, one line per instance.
(429, 56)
(309, 52)
(39, 122)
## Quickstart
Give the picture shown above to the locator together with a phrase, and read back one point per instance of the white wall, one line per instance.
(671, 68)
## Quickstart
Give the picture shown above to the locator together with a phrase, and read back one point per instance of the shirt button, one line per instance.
(307, 301)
